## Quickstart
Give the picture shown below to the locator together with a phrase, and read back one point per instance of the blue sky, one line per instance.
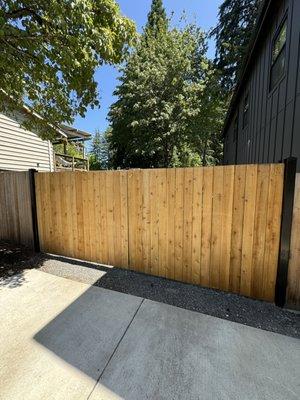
(203, 12)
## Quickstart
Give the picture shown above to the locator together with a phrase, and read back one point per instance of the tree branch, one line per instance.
(23, 12)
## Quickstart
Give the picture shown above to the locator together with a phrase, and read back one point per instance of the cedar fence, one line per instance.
(16, 216)
(225, 227)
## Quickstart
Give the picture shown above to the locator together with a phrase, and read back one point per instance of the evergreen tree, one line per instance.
(160, 99)
(169, 110)
(237, 19)
(157, 18)
(100, 155)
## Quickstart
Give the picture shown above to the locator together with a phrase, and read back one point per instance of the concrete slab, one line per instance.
(62, 339)
(57, 336)
(169, 353)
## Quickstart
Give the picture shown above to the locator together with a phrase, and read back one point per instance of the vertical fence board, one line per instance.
(73, 207)
(179, 199)
(216, 228)
(208, 174)
(237, 228)
(133, 217)
(248, 230)
(91, 208)
(293, 290)
(260, 222)
(272, 232)
(227, 204)
(80, 217)
(161, 221)
(187, 224)
(197, 225)
(171, 193)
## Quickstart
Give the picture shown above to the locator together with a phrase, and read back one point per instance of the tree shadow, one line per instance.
(86, 333)
(14, 260)
(12, 281)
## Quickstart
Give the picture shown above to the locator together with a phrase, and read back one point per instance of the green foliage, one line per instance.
(169, 110)
(49, 52)
(237, 19)
(71, 149)
(157, 18)
(100, 154)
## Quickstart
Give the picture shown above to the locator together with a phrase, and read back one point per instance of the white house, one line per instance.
(21, 149)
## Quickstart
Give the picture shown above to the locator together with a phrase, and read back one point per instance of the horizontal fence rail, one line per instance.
(214, 226)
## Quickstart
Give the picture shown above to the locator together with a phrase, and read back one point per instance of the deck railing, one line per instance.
(65, 162)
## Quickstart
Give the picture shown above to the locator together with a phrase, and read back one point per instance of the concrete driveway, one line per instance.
(62, 339)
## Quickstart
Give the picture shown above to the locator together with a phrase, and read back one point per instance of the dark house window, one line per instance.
(278, 56)
(246, 111)
(235, 128)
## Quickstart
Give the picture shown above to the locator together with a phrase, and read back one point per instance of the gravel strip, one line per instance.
(219, 304)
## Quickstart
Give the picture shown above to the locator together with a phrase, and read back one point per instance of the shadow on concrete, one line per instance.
(168, 353)
(89, 330)
(12, 281)
(228, 306)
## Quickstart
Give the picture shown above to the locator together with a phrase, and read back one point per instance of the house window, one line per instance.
(235, 128)
(278, 56)
(246, 111)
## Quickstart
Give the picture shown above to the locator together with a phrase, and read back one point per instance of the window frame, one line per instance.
(283, 49)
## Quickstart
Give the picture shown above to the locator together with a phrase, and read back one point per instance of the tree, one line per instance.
(100, 154)
(209, 121)
(159, 99)
(158, 119)
(49, 52)
(237, 19)
(157, 18)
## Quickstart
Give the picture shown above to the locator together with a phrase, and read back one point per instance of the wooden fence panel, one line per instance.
(84, 215)
(15, 208)
(293, 289)
(214, 226)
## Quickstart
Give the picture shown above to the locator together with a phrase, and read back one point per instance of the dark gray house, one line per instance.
(263, 121)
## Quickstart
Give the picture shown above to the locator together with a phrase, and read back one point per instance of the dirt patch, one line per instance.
(14, 259)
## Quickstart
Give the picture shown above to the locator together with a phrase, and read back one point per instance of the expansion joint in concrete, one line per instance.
(115, 349)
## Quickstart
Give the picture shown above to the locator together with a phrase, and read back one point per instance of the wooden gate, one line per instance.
(213, 226)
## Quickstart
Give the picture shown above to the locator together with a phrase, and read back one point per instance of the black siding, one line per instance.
(273, 132)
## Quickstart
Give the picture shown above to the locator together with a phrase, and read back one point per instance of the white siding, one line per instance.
(20, 149)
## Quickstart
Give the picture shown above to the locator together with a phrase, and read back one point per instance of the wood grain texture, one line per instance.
(293, 290)
(15, 208)
(214, 226)
(84, 215)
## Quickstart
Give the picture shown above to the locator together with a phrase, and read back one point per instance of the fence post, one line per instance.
(290, 165)
(35, 229)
